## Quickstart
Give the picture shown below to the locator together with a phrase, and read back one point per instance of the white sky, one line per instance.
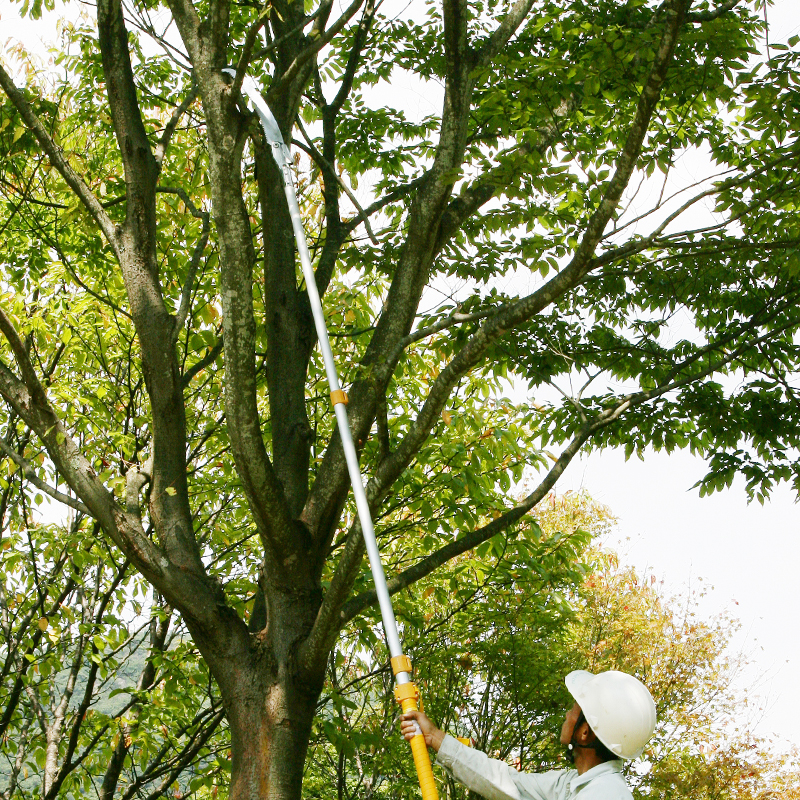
(749, 554)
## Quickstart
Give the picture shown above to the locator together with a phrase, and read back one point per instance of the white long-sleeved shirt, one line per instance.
(496, 780)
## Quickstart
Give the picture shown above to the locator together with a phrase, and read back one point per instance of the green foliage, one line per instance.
(506, 248)
(96, 687)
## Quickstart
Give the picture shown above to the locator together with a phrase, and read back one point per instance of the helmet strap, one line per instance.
(573, 744)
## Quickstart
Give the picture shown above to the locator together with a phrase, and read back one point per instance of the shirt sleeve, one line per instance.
(496, 780)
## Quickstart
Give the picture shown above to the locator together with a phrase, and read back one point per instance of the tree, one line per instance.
(91, 702)
(158, 348)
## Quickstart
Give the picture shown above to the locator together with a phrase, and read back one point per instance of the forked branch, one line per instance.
(318, 41)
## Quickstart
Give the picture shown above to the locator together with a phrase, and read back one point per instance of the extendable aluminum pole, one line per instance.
(405, 691)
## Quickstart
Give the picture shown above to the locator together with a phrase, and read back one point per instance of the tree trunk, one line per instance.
(270, 730)
(271, 703)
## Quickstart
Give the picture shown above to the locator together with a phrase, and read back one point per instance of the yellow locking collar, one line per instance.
(406, 691)
(401, 664)
(339, 396)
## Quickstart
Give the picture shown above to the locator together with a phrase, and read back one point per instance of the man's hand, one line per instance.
(433, 736)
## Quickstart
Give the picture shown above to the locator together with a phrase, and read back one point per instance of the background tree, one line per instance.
(158, 355)
(101, 691)
(704, 744)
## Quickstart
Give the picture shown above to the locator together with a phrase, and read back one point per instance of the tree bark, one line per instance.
(270, 729)
(270, 701)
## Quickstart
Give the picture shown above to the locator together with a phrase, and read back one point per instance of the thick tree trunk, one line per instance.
(270, 702)
(270, 729)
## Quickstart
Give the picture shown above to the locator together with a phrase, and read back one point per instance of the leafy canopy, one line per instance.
(158, 361)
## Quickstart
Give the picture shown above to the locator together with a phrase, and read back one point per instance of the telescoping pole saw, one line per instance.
(405, 690)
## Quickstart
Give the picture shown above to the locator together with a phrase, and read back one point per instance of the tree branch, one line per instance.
(141, 170)
(67, 765)
(328, 621)
(331, 174)
(247, 48)
(190, 751)
(207, 359)
(11, 698)
(390, 197)
(322, 11)
(194, 264)
(472, 539)
(478, 192)
(582, 261)
(626, 162)
(70, 463)
(227, 131)
(188, 23)
(158, 634)
(675, 380)
(346, 82)
(218, 31)
(507, 28)
(58, 160)
(166, 136)
(30, 474)
(135, 480)
(714, 13)
(450, 321)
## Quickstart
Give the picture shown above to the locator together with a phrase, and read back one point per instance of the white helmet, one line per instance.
(618, 707)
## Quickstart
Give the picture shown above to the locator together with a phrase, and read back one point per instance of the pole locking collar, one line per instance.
(401, 664)
(406, 691)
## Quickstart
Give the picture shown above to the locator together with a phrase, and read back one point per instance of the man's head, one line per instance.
(613, 713)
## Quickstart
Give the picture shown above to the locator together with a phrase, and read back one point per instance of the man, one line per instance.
(612, 719)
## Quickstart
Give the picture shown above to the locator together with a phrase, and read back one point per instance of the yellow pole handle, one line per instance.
(422, 760)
